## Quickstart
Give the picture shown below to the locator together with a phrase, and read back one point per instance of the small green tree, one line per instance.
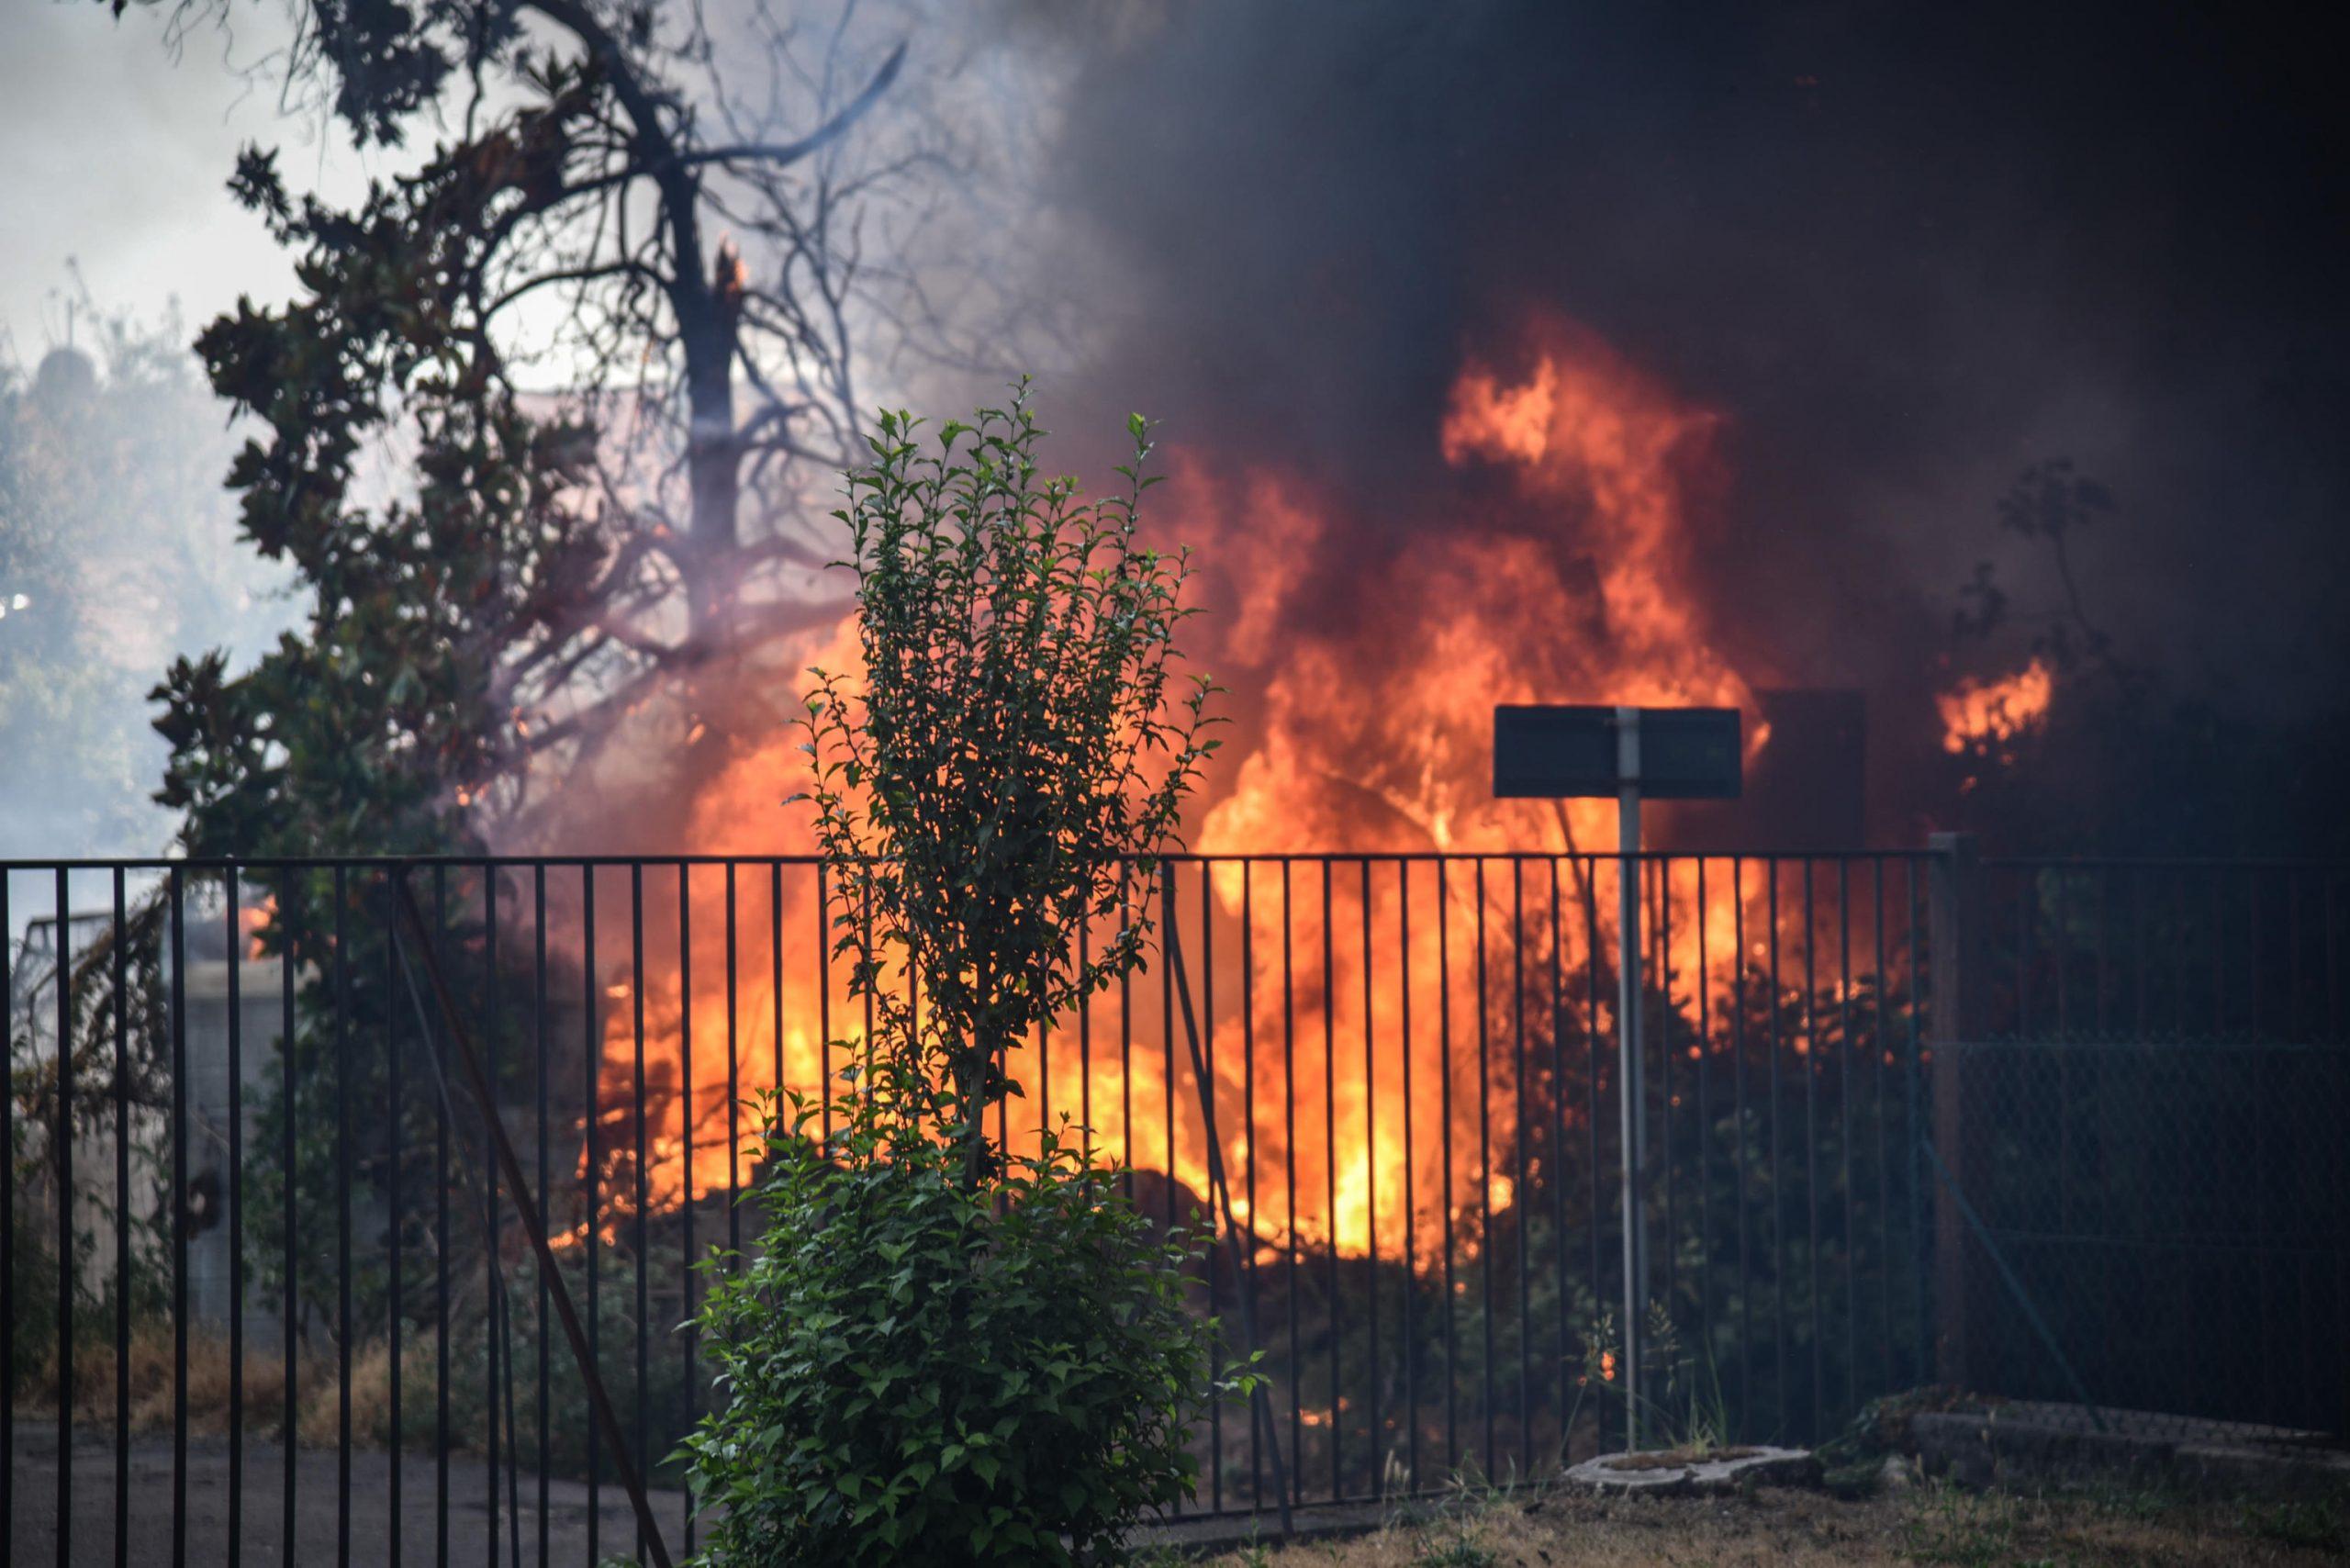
(1015, 751)
(946, 1352)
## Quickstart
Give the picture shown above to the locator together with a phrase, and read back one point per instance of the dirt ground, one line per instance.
(1922, 1524)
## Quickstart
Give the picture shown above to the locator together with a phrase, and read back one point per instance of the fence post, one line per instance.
(1955, 1016)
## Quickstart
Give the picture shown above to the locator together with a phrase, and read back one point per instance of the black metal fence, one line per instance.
(1905, 1118)
(2146, 1113)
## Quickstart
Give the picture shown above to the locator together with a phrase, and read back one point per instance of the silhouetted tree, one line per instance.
(538, 433)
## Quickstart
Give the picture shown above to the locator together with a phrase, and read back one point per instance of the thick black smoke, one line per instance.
(1907, 250)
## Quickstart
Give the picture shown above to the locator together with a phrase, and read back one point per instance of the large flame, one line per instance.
(1376, 734)
(1369, 732)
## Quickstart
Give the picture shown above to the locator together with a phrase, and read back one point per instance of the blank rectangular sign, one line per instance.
(1559, 752)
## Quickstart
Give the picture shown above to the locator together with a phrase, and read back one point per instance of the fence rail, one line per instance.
(255, 1249)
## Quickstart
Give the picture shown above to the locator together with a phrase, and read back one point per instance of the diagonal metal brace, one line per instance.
(599, 1401)
(2015, 1286)
(1260, 1404)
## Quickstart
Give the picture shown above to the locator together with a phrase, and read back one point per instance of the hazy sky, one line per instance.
(118, 156)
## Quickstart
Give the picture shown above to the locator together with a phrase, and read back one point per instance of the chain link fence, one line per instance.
(2147, 1126)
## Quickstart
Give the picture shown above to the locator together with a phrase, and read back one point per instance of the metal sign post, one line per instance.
(1631, 1097)
(1667, 754)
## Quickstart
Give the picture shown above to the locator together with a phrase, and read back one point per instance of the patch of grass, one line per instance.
(1930, 1527)
(1961, 1528)
(1461, 1551)
(2320, 1524)
(2140, 1504)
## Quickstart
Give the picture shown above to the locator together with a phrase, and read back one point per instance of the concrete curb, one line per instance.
(2060, 1442)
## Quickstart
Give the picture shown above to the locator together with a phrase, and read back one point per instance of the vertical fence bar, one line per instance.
(1740, 1162)
(1705, 1138)
(395, 1326)
(1845, 1134)
(236, 1214)
(545, 1189)
(1167, 889)
(824, 1009)
(1204, 1080)
(2327, 889)
(775, 974)
(1812, 1147)
(1926, 1350)
(494, 1289)
(1880, 1051)
(2061, 954)
(2178, 953)
(289, 1433)
(440, 1132)
(1518, 1193)
(1127, 1041)
(2252, 948)
(1592, 1119)
(1247, 1268)
(178, 890)
(64, 1218)
(644, 1193)
(64, 1156)
(1484, 1176)
(1370, 1198)
(120, 988)
(1291, 1254)
(2104, 876)
(1329, 1172)
(1411, 1204)
(2026, 886)
(2139, 921)
(1443, 1125)
(1778, 1166)
(342, 1043)
(1661, 932)
(733, 1092)
(591, 1057)
(1085, 1032)
(8, 1303)
(1558, 1155)
(684, 1163)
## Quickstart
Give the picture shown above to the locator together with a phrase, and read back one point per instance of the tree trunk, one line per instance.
(708, 323)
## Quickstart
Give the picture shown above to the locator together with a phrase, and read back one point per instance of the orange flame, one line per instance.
(1370, 733)
(1988, 716)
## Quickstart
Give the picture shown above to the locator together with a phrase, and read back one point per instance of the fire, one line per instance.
(254, 922)
(1988, 716)
(1368, 732)
(1376, 735)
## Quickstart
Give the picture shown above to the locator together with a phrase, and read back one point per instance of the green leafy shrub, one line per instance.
(918, 1373)
(947, 1350)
